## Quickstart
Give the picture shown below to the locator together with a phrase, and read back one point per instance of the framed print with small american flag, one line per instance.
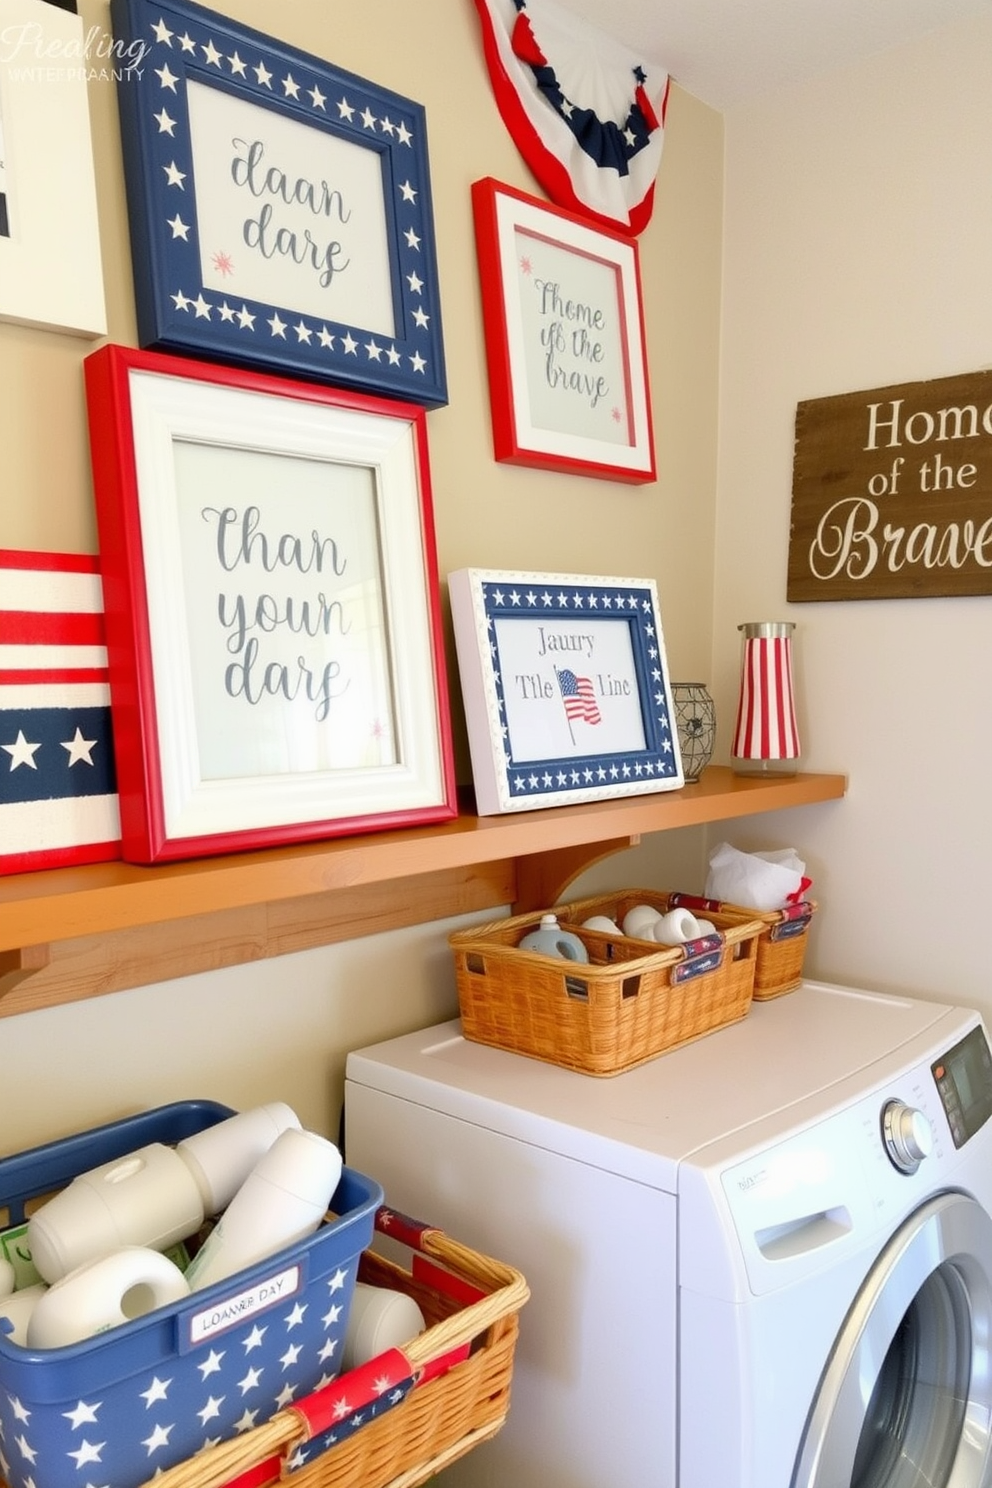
(565, 686)
(58, 791)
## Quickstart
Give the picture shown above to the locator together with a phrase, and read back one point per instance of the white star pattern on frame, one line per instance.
(302, 224)
(566, 688)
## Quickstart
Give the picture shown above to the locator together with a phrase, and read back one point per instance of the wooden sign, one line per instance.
(892, 493)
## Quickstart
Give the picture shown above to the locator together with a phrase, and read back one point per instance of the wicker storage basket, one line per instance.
(459, 1394)
(778, 966)
(781, 946)
(461, 1368)
(633, 1001)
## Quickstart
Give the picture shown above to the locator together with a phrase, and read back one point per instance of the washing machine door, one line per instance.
(905, 1400)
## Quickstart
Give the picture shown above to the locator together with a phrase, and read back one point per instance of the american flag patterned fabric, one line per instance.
(357, 1398)
(586, 113)
(58, 791)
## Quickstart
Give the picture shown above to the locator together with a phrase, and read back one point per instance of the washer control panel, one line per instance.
(963, 1077)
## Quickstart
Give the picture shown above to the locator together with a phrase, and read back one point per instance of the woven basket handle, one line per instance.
(506, 1290)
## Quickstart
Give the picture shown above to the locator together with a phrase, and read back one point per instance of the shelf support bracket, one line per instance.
(18, 964)
(542, 877)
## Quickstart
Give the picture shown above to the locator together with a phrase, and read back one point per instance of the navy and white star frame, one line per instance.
(280, 208)
(565, 686)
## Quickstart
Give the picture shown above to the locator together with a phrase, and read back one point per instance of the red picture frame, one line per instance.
(565, 348)
(275, 650)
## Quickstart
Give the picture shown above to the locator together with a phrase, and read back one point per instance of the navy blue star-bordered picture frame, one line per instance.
(566, 688)
(280, 209)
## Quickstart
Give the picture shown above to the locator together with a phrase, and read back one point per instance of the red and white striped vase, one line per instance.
(766, 739)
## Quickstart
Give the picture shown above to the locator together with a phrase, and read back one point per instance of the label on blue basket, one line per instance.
(239, 1308)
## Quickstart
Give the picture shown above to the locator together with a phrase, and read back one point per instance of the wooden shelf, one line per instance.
(79, 932)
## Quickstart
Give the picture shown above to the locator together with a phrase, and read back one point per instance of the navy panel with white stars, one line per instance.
(58, 789)
(359, 1397)
(116, 1409)
(554, 781)
(160, 49)
(41, 767)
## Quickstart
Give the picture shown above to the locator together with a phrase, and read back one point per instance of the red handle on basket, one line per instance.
(800, 911)
(694, 901)
(354, 1391)
(335, 1410)
(401, 1227)
(411, 1232)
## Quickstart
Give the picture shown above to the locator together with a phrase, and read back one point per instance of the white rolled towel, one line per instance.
(676, 927)
(603, 924)
(104, 1293)
(639, 921)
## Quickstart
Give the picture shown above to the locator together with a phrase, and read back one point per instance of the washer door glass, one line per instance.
(906, 1398)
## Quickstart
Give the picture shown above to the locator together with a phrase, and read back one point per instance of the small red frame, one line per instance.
(565, 348)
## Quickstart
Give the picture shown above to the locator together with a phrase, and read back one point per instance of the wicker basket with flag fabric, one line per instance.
(400, 1418)
(781, 946)
(631, 1001)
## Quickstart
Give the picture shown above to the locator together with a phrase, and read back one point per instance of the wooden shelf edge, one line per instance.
(94, 965)
(65, 902)
(349, 886)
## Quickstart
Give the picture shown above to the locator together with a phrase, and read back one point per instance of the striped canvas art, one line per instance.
(58, 791)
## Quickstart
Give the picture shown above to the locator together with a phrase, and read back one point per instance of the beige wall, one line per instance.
(857, 251)
(280, 1029)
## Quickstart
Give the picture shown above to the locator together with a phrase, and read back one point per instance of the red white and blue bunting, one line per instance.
(586, 113)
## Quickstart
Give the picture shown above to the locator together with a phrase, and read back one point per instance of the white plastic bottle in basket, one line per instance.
(283, 1200)
(379, 1318)
(153, 1196)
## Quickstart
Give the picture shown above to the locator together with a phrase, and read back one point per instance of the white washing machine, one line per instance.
(763, 1260)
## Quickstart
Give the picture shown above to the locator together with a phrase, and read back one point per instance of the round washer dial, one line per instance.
(906, 1134)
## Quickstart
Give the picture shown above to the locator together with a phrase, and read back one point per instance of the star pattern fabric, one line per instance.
(134, 1419)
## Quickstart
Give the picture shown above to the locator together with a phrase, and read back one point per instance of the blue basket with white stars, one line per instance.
(120, 1407)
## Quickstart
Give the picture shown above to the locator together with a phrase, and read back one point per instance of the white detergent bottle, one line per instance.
(378, 1319)
(153, 1197)
(282, 1200)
